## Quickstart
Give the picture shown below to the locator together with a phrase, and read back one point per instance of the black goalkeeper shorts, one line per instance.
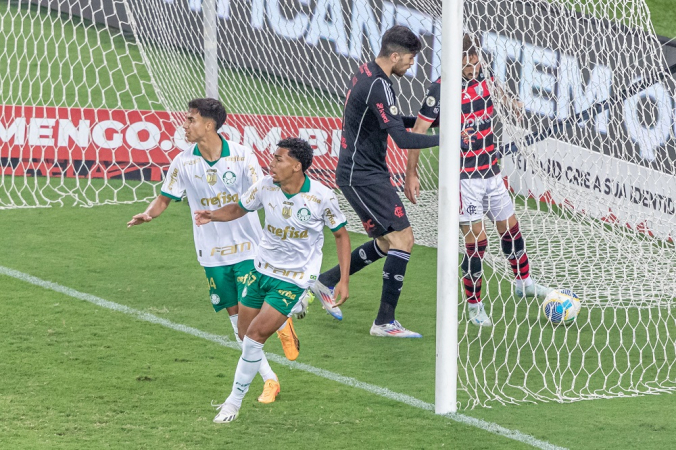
(378, 206)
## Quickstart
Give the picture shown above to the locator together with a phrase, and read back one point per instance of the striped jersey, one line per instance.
(478, 159)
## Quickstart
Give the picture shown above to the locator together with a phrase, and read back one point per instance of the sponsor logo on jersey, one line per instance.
(223, 198)
(287, 273)
(479, 89)
(303, 214)
(287, 232)
(254, 175)
(231, 249)
(252, 196)
(234, 158)
(173, 180)
(199, 177)
(229, 178)
(381, 111)
(212, 176)
(329, 215)
(191, 162)
(311, 198)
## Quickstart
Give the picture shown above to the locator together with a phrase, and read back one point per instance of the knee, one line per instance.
(405, 240)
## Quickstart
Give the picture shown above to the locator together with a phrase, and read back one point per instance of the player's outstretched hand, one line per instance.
(138, 219)
(412, 188)
(341, 293)
(202, 217)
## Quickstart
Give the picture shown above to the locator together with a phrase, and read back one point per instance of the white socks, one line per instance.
(520, 284)
(265, 369)
(283, 325)
(233, 322)
(247, 367)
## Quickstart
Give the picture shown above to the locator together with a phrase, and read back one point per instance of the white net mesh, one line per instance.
(590, 189)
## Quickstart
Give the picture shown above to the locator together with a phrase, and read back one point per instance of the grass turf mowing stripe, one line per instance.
(224, 341)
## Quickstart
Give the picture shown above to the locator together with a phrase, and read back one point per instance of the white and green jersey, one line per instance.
(212, 185)
(291, 247)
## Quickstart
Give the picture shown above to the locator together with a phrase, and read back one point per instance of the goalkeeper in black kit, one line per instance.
(371, 115)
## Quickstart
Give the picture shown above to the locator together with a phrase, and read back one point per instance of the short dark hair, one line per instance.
(399, 39)
(298, 149)
(210, 108)
(470, 46)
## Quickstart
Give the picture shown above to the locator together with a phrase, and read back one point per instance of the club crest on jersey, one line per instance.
(394, 110)
(303, 214)
(229, 178)
(212, 176)
(431, 101)
(215, 299)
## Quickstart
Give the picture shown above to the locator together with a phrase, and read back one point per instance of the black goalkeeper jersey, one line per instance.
(370, 115)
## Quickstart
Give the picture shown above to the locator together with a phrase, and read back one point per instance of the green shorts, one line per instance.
(279, 294)
(226, 283)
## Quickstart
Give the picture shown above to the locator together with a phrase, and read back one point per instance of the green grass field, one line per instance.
(76, 375)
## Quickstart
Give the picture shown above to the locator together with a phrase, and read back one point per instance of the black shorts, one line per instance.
(379, 207)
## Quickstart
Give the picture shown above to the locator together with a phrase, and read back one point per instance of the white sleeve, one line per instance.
(251, 199)
(332, 215)
(254, 173)
(173, 186)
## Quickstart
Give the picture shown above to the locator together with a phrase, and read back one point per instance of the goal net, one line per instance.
(96, 91)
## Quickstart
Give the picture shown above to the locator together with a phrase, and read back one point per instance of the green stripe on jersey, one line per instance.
(338, 227)
(170, 196)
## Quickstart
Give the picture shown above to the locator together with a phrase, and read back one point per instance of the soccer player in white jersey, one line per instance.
(289, 256)
(212, 173)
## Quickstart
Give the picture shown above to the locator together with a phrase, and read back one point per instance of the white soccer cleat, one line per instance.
(300, 310)
(534, 290)
(227, 412)
(393, 329)
(325, 295)
(478, 316)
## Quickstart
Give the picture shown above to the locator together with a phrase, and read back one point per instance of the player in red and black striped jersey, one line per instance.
(371, 115)
(482, 190)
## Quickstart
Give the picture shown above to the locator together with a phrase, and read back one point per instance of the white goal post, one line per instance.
(95, 93)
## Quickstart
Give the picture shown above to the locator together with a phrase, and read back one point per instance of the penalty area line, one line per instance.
(225, 342)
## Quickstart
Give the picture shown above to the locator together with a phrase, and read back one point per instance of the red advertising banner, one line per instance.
(139, 145)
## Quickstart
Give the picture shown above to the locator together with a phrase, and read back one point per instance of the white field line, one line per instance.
(225, 342)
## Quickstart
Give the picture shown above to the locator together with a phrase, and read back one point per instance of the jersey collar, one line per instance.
(304, 188)
(375, 68)
(225, 152)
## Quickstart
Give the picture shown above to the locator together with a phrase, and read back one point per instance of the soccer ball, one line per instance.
(561, 306)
